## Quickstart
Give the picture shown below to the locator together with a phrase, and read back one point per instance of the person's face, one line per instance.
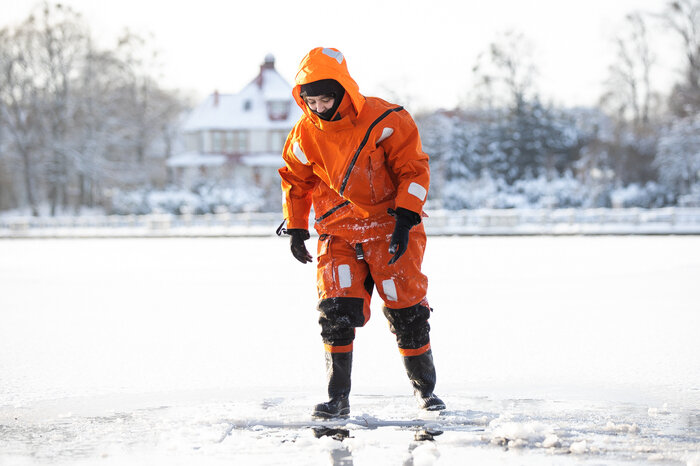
(319, 103)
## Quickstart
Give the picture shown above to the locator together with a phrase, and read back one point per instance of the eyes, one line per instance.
(319, 100)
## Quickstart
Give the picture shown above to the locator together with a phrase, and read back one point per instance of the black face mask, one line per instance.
(329, 87)
(328, 114)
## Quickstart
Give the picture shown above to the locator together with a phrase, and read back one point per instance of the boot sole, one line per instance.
(326, 416)
(322, 415)
(435, 407)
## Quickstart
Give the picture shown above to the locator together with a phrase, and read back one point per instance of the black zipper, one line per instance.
(330, 212)
(362, 146)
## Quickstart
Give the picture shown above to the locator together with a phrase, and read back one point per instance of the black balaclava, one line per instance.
(329, 87)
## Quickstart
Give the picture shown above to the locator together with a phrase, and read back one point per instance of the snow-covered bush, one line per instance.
(692, 199)
(204, 199)
(248, 198)
(539, 192)
(648, 196)
(560, 192)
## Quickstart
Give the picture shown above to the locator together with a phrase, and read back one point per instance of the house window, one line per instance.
(230, 142)
(242, 141)
(277, 140)
(278, 109)
(217, 141)
(247, 105)
(234, 142)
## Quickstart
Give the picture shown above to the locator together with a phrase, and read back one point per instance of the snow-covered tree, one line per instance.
(81, 120)
(678, 157)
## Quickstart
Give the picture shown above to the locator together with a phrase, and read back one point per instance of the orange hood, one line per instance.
(326, 63)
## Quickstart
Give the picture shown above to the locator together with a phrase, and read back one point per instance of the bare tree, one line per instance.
(505, 73)
(81, 120)
(633, 104)
(683, 18)
(60, 43)
(20, 109)
(629, 91)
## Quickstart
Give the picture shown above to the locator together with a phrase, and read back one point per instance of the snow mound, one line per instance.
(663, 411)
(518, 434)
(621, 428)
(579, 448)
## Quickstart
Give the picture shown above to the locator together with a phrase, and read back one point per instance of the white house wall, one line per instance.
(258, 141)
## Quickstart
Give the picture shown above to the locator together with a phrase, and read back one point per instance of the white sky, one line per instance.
(420, 49)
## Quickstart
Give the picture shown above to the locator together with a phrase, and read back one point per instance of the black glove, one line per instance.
(405, 220)
(296, 243)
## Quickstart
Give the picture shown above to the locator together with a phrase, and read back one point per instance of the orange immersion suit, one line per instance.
(352, 169)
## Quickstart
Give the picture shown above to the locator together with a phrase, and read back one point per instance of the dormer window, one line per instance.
(278, 109)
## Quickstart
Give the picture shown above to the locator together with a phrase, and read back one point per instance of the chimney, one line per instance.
(268, 64)
(216, 98)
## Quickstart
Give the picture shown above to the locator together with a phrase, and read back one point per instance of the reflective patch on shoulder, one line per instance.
(386, 132)
(389, 288)
(417, 190)
(299, 154)
(334, 54)
(344, 276)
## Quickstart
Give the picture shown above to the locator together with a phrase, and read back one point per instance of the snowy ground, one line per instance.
(549, 350)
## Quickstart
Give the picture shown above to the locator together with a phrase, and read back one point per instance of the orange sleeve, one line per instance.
(298, 181)
(409, 164)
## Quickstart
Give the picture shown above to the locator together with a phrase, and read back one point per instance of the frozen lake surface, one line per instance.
(566, 350)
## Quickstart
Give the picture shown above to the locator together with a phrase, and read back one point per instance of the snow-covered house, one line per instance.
(238, 138)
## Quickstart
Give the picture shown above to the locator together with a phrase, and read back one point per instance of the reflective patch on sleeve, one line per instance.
(299, 154)
(344, 276)
(386, 132)
(334, 54)
(417, 190)
(389, 288)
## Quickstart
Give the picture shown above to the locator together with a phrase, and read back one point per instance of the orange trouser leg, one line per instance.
(345, 286)
(344, 289)
(403, 288)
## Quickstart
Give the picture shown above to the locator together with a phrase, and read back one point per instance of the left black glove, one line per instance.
(296, 244)
(405, 220)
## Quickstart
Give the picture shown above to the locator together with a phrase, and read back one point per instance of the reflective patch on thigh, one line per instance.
(344, 276)
(389, 288)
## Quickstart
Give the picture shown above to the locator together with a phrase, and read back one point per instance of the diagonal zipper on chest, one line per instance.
(362, 146)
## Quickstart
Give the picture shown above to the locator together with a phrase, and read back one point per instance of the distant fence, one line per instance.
(666, 221)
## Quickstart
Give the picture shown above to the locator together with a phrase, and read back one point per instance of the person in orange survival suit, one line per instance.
(358, 160)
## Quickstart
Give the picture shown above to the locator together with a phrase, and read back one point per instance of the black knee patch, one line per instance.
(339, 317)
(410, 325)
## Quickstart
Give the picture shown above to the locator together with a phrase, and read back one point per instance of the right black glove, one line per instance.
(296, 243)
(405, 220)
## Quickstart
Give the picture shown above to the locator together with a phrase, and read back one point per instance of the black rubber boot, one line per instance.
(421, 372)
(338, 368)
